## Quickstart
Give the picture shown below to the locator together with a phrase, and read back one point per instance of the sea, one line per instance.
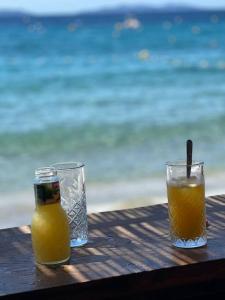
(121, 93)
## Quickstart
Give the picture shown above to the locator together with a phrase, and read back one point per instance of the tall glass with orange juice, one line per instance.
(50, 227)
(186, 204)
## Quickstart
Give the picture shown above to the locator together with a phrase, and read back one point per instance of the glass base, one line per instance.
(78, 242)
(181, 243)
(54, 263)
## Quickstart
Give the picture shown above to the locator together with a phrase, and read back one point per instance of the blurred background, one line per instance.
(119, 85)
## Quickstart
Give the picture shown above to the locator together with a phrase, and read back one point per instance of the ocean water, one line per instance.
(122, 96)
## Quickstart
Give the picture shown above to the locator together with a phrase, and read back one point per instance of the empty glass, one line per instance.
(73, 199)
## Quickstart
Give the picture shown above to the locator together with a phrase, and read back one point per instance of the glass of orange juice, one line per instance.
(186, 204)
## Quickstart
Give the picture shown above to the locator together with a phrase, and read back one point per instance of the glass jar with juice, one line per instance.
(50, 227)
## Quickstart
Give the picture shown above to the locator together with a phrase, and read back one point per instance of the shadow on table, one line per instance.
(120, 243)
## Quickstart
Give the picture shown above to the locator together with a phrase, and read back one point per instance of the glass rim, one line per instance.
(71, 165)
(45, 171)
(183, 163)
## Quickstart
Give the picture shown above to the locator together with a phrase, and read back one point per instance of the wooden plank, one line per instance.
(129, 254)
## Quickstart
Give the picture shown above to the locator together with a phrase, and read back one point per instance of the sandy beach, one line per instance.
(16, 208)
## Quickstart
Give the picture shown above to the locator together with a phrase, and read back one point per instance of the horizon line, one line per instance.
(156, 9)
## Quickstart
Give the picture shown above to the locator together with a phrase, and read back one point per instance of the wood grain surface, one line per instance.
(129, 254)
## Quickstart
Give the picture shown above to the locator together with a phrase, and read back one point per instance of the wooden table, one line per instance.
(129, 255)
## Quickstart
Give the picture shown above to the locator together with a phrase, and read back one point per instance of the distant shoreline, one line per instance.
(7, 14)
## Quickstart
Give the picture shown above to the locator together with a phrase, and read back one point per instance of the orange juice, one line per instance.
(50, 226)
(50, 234)
(186, 201)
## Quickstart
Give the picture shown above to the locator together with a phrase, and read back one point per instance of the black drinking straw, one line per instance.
(189, 157)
